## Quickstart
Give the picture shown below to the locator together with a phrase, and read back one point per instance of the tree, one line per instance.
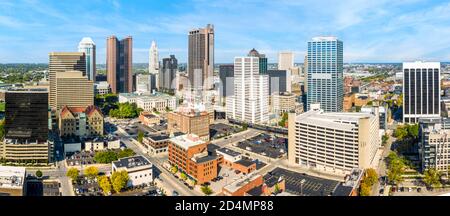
(105, 157)
(396, 168)
(384, 139)
(206, 190)
(183, 176)
(39, 173)
(174, 169)
(371, 176)
(284, 118)
(431, 177)
(2, 128)
(125, 153)
(364, 190)
(73, 173)
(119, 180)
(277, 188)
(91, 172)
(125, 110)
(140, 136)
(244, 126)
(105, 184)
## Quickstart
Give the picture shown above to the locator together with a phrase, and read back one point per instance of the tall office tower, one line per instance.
(226, 74)
(325, 73)
(26, 126)
(278, 81)
(250, 101)
(119, 64)
(143, 84)
(434, 144)
(421, 90)
(333, 142)
(73, 90)
(201, 58)
(167, 74)
(153, 59)
(61, 62)
(87, 46)
(262, 60)
(305, 74)
(285, 60)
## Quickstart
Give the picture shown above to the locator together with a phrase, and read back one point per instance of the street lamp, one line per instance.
(301, 186)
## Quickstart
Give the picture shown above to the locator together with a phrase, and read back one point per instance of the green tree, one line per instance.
(39, 173)
(364, 189)
(105, 157)
(396, 168)
(431, 177)
(125, 153)
(206, 190)
(119, 180)
(104, 184)
(384, 139)
(244, 126)
(73, 173)
(2, 128)
(174, 169)
(284, 118)
(91, 172)
(140, 136)
(371, 176)
(277, 188)
(183, 176)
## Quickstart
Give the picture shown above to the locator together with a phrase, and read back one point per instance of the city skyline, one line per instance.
(378, 31)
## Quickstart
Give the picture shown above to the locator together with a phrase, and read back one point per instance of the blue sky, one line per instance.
(372, 30)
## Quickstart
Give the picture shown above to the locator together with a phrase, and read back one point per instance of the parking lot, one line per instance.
(84, 186)
(43, 188)
(81, 158)
(226, 176)
(266, 145)
(217, 131)
(304, 185)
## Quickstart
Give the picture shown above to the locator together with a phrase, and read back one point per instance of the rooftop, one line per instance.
(341, 120)
(245, 162)
(131, 162)
(228, 152)
(187, 141)
(239, 183)
(12, 177)
(159, 137)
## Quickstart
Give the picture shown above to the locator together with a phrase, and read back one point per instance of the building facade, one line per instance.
(278, 81)
(434, 143)
(167, 74)
(250, 101)
(283, 102)
(333, 142)
(119, 64)
(143, 84)
(81, 121)
(73, 90)
(139, 169)
(201, 58)
(226, 74)
(153, 59)
(189, 123)
(325, 73)
(262, 60)
(60, 62)
(87, 46)
(421, 90)
(285, 60)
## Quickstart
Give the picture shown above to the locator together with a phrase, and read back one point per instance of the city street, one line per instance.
(249, 133)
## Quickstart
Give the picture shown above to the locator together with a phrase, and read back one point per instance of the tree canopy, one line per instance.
(206, 190)
(91, 172)
(119, 180)
(104, 184)
(396, 168)
(432, 177)
(125, 110)
(73, 173)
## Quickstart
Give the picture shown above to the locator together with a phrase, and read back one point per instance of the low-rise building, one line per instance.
(102, 88)
(139, 169)
(235, 160)
(241, 186)
(98, 144)
(150, 102)
(149, 119)
(158, 143)
(81, 121)
(434, 143)
(189, 153)
(189, 123)
(283, 102)
(16, 150)
(12, 181)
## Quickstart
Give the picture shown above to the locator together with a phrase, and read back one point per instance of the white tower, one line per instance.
(153, 60)
(87, 46)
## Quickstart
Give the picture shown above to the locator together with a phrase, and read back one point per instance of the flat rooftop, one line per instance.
(239, 183)
(245, 162)
(131, 162)
(228, 152)
(187, 141)
(12, 177)
(159, 137)
(331, 120)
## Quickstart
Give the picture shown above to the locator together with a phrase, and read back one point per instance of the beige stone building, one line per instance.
(73, 90)
(283, 102)
(81, 121)
(189, 123)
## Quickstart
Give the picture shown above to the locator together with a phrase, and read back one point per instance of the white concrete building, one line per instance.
(158, 102)
(285, 60)
(421, 90)
(153, 59)
(139, 169)
(143, 85)
(250, 101)
(87, 46)
(101, 88)
(12, 180)
(333, 142)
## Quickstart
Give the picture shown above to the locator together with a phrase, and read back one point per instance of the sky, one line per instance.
(372, 30)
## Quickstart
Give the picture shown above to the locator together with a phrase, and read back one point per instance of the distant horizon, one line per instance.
(396, 31)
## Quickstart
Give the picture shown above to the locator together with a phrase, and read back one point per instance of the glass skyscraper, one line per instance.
(325, 73)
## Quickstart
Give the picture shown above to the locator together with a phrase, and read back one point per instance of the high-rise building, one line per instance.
(278, 81)
(250, 101)
(87, 46)
(201, 58)
(153, 59)
(73, 90)
(434, 144)
(61, 62)
(143, 84)
(333, 142)
(285, 60)
(167, 74)
(262, 60)
(26, 126)
(325, 73)
(189, 123)
(119, 64)
(421, 90)
(226, 74)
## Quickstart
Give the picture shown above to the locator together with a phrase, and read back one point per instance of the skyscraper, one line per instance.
(325, 73)
(421, 90)
(143, 84)
(73, 90)
(153, 59)
(201, 58)
(250, 101)
(60, 62)
(119, 64)
(285, 60)
(87, 46)
(226, 74)
(262, 60)
(167, 74)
